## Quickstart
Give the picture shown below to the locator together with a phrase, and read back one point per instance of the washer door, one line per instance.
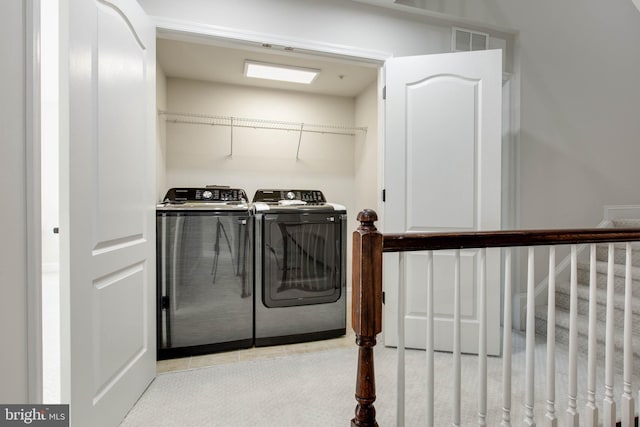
(302, 259)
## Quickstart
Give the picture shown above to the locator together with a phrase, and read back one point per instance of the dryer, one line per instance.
(204, 271)
(300, 267)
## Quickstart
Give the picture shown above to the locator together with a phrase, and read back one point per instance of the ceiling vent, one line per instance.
(463, 40)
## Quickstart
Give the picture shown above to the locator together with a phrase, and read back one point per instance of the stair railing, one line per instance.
(369, 245)
(564, 264)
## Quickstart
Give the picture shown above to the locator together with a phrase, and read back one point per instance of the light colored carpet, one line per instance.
(317, 389)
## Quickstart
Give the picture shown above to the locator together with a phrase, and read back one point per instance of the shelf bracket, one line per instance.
(231, 137)
(299, 141)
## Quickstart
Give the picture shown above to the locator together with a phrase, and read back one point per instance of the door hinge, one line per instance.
(384, 92)
(383, 297)
(384, 195)
(164, 303)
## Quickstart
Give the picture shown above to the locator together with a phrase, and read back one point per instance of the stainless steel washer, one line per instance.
(204, 271)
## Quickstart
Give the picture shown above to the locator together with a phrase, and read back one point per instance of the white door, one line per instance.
(442, 172)
(107, 206)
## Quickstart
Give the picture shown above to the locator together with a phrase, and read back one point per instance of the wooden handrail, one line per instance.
(368, 247)
(499, 239)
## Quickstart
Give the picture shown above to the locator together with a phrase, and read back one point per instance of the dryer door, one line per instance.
(302, 259)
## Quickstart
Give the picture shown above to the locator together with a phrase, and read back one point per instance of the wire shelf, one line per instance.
(243, 122)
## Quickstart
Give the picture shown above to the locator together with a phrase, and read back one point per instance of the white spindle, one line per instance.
(482, 342)
(506, 343)
(572, 412)
(402, 292)
(627, 398)
(550, 416)
(429, 347)
(609, 404)
(530, 344)
(456, 342)
(591, 409)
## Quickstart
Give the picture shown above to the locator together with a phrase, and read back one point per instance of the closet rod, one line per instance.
(240, 122)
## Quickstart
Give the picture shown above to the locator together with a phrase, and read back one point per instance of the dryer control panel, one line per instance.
(275, 196)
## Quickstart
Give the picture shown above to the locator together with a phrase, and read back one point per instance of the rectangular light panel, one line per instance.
(285, 73)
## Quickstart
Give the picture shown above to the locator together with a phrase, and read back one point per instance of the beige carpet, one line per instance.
(317, 389)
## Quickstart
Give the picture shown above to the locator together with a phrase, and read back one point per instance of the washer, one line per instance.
(300, 267)
(204, 271)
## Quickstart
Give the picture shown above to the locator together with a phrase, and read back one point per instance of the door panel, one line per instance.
(107, 189)
(443, 163)
(450, 133)
(120, 165)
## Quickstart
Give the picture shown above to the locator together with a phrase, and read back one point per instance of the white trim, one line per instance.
(32, 200)
(190, 31)
(622, 211)
(63, 185)
(50, 267)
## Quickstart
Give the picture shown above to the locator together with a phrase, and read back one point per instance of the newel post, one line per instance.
(366, 311)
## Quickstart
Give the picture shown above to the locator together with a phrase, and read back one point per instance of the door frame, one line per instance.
(191, 31)
(33, 104)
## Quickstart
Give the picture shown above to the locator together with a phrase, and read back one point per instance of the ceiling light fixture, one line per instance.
(285, 73)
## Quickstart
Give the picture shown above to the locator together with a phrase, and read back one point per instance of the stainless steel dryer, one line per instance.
(204, 271)
(300, 267)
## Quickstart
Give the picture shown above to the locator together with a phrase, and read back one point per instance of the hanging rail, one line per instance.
(242, 122)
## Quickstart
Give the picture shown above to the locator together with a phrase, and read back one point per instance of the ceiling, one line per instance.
(224, 63)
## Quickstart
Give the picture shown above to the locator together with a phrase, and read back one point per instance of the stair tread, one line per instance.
(563, 319)
(601, 295)
(618, 269)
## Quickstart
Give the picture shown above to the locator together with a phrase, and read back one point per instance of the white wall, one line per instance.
(339, 23)
(13, 227)
(199, 155)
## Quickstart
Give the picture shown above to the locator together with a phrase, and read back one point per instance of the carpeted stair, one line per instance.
(563, 301)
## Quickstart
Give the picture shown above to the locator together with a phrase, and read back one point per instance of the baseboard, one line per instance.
(621, 212)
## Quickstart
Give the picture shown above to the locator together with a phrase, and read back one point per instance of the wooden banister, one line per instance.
(499, 239)
(366, 312)
(368, 248)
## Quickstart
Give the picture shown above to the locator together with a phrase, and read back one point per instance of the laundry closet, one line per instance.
(233, 274)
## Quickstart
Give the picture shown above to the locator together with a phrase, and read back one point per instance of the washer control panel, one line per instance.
(206, 194)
